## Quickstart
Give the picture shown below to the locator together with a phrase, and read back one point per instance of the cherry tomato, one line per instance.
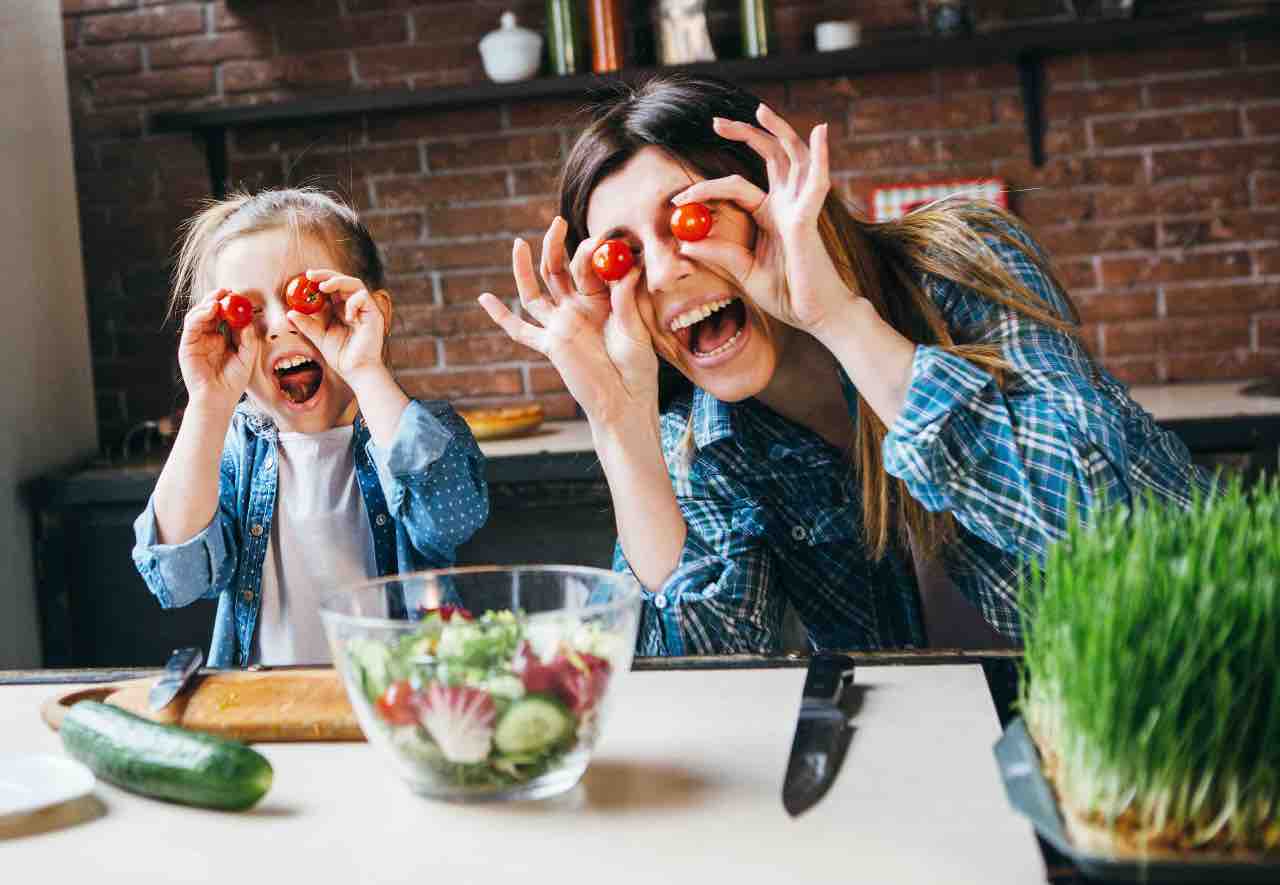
(236, 310)
(690, 222)
(612, 260)
(304, 295)
(447, 613)
(398, 705)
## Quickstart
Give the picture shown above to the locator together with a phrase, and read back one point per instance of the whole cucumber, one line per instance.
(163, 760)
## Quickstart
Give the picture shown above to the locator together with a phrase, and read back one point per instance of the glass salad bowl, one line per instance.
(488, 682)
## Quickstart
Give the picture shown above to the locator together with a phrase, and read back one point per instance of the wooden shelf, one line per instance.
(1025, 47)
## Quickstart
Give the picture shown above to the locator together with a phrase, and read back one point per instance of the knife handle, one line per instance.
(827, 676)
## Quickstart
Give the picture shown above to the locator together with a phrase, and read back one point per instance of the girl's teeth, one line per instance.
(689, 317)
(723, 347)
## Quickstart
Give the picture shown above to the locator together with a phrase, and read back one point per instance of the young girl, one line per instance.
(878, 421)
(300, 465)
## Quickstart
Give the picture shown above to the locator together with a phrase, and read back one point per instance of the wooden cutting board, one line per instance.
(256, 707)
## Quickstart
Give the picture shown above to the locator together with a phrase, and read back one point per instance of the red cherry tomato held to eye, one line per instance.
(236, 310)
(304, 295)
(612, 260)
(398, 705)
(690, 222)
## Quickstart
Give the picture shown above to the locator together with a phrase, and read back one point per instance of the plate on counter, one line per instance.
(31, 781)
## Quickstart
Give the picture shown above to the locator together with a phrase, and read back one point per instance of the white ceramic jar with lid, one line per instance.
(511, 52)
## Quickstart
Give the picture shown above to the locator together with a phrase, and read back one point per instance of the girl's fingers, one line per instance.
(356, 305)
(764, 144)
(734, 188)
(204, 317)
(531, 296)
(817, 183)
(339, 284)
(309, 325)
(792, 145)
(585, 278)
(517, 329)
(734, 262)
(552, 267)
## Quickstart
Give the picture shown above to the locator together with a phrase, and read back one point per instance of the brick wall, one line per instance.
(1160, 200)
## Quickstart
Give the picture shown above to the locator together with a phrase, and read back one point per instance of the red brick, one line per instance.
(1070, 171)
(1167, 58)
(145, 24)
(1177, 335)
(1191, 196)
(343, 33)
(890, 115)
(414, 353)
(1092, 239)
(1268, 332)
(536, 180)
(514, 218)
(1104, 307)
(545, 379)
(1223, 228)
(394, 227)
(1221, 89)
(1262, 51)
(154, 152)
(900, 84)
(481, 350)
(435, 124)
(443, 256)
(257, 173)
(1268, 262)
(416, 292)
(992, 76)
(176, 83)
(209, 50)
(420, 191)
(1171, 268)
(1044, 207)
(303, 135)
(560, 408)
(89, 61)
(1191, 126)
(1264, 120)
(1122, 169)
(386, 62)
(1064, 69)
(1266, 189)
(991, 144)
(531, 148)
(465, 288)
(108, 123)
(1221, 366)
(1076, 275)
(1213, 160)
(1222, 300)
(545, 113)
(314, 69)
(445, 321)
(356, 163)
(883, 153)
(443, 21)
(1143, 370)
(1065, 104)
(451, 385)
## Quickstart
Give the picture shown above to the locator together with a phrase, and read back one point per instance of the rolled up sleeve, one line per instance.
(179, 574)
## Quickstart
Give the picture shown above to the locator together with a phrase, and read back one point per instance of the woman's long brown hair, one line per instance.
(883, 262)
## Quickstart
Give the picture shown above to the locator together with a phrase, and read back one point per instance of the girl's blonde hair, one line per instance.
(305, 211)
(885, 263)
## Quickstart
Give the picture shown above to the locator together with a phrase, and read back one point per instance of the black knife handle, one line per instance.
(827, 675)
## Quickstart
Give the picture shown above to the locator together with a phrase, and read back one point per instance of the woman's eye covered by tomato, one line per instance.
(612, 260)
(690, 222)
(236, 310)
(303, 295)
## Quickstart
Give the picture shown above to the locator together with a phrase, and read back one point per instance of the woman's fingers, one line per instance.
(552, 267)
(585, 278)
(817, 183)
(531, 296)
(792, 145)
(760, 141)
(734, 188)
(517, 329)
(622, 300)
(732, 261)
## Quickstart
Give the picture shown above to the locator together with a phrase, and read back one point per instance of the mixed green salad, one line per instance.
(494, 700)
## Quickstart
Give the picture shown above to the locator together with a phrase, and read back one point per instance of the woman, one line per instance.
(875, 416)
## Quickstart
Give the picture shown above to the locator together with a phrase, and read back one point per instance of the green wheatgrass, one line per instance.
(1152, 670)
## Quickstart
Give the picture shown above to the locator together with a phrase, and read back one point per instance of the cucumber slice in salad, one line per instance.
(532, 725)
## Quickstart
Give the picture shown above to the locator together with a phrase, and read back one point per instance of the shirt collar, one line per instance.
(262, 426)
(712, 419)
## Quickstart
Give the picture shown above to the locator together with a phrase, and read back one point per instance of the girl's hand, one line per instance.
(350, 331)
(216, 364)
(788, 273)
(592, 332)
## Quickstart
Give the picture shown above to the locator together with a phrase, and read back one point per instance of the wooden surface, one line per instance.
(685, 787)
(297, 705)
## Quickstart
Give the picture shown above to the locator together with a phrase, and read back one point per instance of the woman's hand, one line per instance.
(350, 332)
(216, 364)
(788, 273)
(592, 332)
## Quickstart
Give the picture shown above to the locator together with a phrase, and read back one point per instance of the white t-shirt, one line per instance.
(320, 541)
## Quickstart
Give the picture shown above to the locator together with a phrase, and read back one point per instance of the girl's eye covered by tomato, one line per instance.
(236, 310)
(303, 295)
(612, 260)
(690, 222)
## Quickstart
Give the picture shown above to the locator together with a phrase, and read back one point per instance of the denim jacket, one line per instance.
(425, 495)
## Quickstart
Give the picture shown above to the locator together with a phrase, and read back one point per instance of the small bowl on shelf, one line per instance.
(488, 682)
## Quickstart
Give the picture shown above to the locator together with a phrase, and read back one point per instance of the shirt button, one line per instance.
(255, 530)
(659, 602)
(798, 532)
(267, 463)
(246, 595)
(381, 519)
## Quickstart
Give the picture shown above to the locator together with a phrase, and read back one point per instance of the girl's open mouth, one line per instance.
(298, 378)
(712, 330)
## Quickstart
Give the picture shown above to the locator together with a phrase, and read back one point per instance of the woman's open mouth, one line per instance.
(298, 378)
(712, 331)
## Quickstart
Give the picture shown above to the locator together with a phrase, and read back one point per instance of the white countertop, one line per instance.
(1167, 402)
(685, 787)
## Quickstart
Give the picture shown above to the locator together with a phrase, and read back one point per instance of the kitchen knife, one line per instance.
(183, 664)
(822, 733)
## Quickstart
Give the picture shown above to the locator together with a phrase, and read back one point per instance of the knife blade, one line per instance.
(182, 665)
(822, 733)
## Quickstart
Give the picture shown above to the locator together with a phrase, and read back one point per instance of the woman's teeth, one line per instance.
(289, 362)
(689, 317)
(723, 347)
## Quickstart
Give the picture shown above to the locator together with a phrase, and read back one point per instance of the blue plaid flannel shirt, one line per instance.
(774, 515)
